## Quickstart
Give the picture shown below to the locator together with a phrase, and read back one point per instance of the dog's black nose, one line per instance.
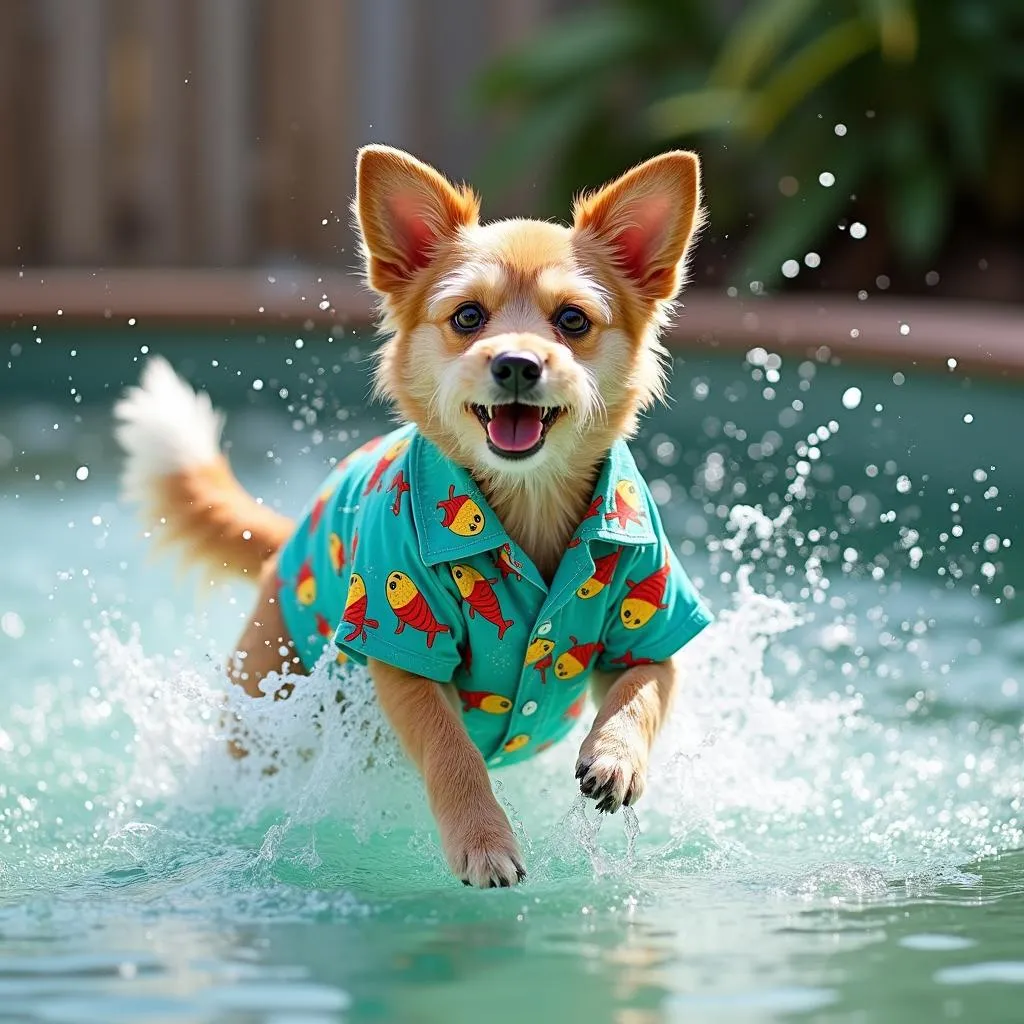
(516, 372)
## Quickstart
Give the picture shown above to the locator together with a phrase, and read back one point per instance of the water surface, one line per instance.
(835, 817)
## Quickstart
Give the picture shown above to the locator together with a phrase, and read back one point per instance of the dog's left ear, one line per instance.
(646, 219)
(405, 209)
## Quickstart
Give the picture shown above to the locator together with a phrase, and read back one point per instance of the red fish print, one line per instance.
(595, 507)
(577, 659)
(627, 505)
(355, 610)
(411, 608)
(336, 552)
(538, 654)
(305, 585)
(377, 477)
(604, 570)
(367, 446)
(478, 592)
(628, 661)
(318, 507)
(323, 627)
(462, 515)
(400, 485)
(505, 562)
(363, 449)
(542, 667)
(644, 599)
(575, 709)
(484, 700)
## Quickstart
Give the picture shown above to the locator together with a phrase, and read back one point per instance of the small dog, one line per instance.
(501, 551)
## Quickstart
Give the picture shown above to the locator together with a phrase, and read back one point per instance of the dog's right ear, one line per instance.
(404, 209)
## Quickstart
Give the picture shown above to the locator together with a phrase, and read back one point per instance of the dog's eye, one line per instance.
(572, 320)
(468, 317)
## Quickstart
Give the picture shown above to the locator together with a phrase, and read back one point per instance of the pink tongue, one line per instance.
(515, 428)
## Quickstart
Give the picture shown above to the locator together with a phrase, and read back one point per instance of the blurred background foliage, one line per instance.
(914, 109)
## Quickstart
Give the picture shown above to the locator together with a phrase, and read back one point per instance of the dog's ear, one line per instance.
(646, 220)
(404, 208)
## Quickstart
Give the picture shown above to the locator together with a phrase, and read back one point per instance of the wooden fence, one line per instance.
(223, 132)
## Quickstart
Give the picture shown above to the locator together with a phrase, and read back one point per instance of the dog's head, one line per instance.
(524, 348)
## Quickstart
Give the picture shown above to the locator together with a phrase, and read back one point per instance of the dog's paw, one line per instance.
(612, 768)
(484, 854)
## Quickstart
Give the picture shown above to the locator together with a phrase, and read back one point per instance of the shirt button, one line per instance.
(529, 708)
(544, 628)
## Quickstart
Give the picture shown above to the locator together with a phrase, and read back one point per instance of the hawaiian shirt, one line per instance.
(401, 548)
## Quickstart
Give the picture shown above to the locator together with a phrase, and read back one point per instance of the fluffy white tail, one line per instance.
(175, 470)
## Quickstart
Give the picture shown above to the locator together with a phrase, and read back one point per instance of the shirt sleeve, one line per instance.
(657, 610)
(398, 610)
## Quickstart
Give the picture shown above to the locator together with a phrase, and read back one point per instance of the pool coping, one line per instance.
(984, 338)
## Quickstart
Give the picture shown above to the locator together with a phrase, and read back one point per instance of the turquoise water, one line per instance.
(834, 825)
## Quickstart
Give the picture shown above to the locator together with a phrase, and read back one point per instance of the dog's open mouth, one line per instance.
(515, 430)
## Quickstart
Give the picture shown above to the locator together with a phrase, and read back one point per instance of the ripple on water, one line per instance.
(1009, 972)
(936, 943)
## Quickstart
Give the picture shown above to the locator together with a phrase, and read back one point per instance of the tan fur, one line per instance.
(206, 511)
(258, 651)
(475, 834)
(622, 262)
(633, 706)
(523, 270)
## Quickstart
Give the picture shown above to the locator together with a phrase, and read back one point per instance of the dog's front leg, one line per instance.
(476, 837)
(612, 766)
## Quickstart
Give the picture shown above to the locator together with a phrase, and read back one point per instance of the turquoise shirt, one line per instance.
(401, 548)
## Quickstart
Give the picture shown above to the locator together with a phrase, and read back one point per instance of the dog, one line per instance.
(499, 553)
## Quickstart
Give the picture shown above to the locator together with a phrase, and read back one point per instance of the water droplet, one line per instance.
(840, 130)
(969, 418)
(11, 623)
(812, 260)
(858, 230)
(852, 397)
(827, 179)
(790, 268)
(82, 473)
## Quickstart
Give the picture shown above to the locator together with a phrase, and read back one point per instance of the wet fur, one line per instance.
(622, 262)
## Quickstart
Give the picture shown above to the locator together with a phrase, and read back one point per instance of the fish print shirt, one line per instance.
(401, 547)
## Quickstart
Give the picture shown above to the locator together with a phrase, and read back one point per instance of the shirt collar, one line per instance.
(453, 519)
(621, 508)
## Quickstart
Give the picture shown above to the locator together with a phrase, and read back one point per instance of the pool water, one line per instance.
(834, 825)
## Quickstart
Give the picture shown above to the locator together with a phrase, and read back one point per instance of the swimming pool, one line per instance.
(835, 817)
